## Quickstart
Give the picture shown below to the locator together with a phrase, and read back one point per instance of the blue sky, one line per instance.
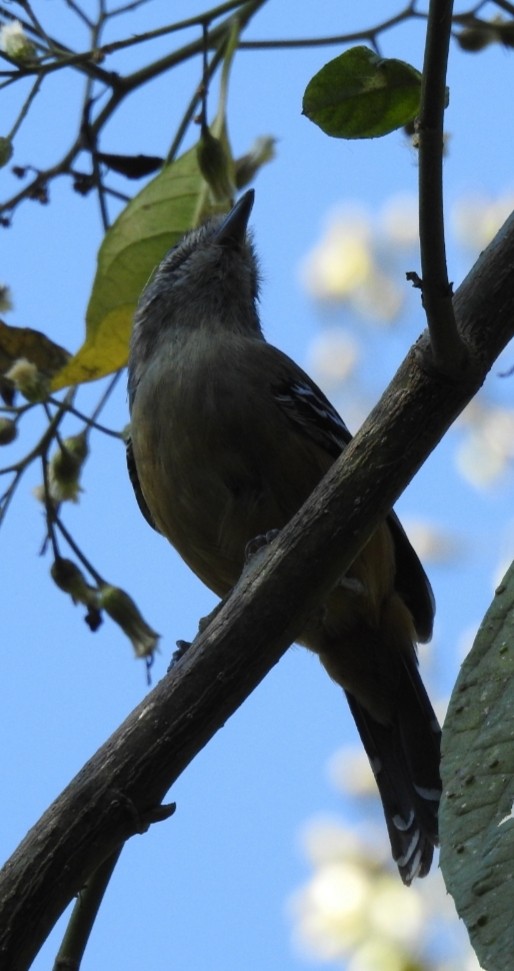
(209, 888)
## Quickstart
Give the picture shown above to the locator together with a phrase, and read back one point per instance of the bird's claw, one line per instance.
(258, 543)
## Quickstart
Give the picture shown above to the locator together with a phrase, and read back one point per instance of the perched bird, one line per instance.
(228, 439)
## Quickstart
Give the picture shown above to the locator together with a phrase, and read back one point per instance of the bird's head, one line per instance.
(208, 280)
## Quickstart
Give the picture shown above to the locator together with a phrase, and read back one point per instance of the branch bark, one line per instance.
(118, 790)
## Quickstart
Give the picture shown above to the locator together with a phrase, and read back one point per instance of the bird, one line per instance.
(228, 438)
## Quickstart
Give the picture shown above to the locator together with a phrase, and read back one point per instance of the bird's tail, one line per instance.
(404, 756)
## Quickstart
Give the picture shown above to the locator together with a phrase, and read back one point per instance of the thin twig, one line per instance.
(84, 63)
(83, 59)
(96, 33)
(38, 27)
(50, 512)
(193, 106)
(124, 85)
(7, 497)
(49, 434)
(79, 13)
(106, 395)
(127, 7)
(77, 550)
(88, 421)
(333, 40)
(503, 5)
(25, 107)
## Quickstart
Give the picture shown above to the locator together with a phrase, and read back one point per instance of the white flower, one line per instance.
(476, 218)
(342, 260)
(333, 356)
(15, 43)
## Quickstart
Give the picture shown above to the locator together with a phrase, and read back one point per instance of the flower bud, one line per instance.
(15, 43)
(214, 164)
(6, 150)
(65, 467)
(122, 609)
(70, 579)
(28, 380)
(262, 151)
(474, 39)
(5, 294)
(8, 431)
(505, 32)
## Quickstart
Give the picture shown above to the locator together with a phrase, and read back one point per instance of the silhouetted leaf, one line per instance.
(132, 166)
(476, 817)
(361, 95)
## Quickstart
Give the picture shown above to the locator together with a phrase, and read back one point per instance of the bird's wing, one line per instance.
(306, 405)
(311, 411)
(411, 580)
(134, 478)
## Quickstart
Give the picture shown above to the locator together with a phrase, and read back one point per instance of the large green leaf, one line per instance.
(150, 224)
(477, 818)
(361, 95)
(186, 192)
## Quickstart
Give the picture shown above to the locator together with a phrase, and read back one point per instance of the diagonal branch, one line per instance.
(111, 797)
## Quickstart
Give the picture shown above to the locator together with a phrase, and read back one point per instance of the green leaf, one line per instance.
(177, 199)
(152, 222)
(476, 816)
(361, 95)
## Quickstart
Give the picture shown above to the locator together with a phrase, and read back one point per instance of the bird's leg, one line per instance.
(182, 647)
(255, 547)
(203, 623)
(254, 550)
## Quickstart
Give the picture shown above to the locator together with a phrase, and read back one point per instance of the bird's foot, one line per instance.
(182, 647)
(203, 623)
(257, 545)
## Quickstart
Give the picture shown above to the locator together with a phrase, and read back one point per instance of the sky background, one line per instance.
(212, 887)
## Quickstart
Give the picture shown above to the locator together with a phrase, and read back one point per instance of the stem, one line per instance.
(50, 511)
(32, 94)
(46, 438)
(7, 497)
(106, 395)
(78, 552)
(90, 422)
(446, 345)
(147, 73)
(83, 916)
(503, 5)
(192, 106)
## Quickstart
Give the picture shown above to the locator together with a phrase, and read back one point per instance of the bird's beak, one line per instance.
(233, 228)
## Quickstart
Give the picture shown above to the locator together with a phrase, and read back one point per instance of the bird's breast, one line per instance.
(212, 475)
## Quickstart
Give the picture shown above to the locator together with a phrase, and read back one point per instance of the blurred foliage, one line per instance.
(353, 912)
(340, 915)
(355, 273)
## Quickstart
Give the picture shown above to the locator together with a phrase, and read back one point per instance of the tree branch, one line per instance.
(111, 797)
